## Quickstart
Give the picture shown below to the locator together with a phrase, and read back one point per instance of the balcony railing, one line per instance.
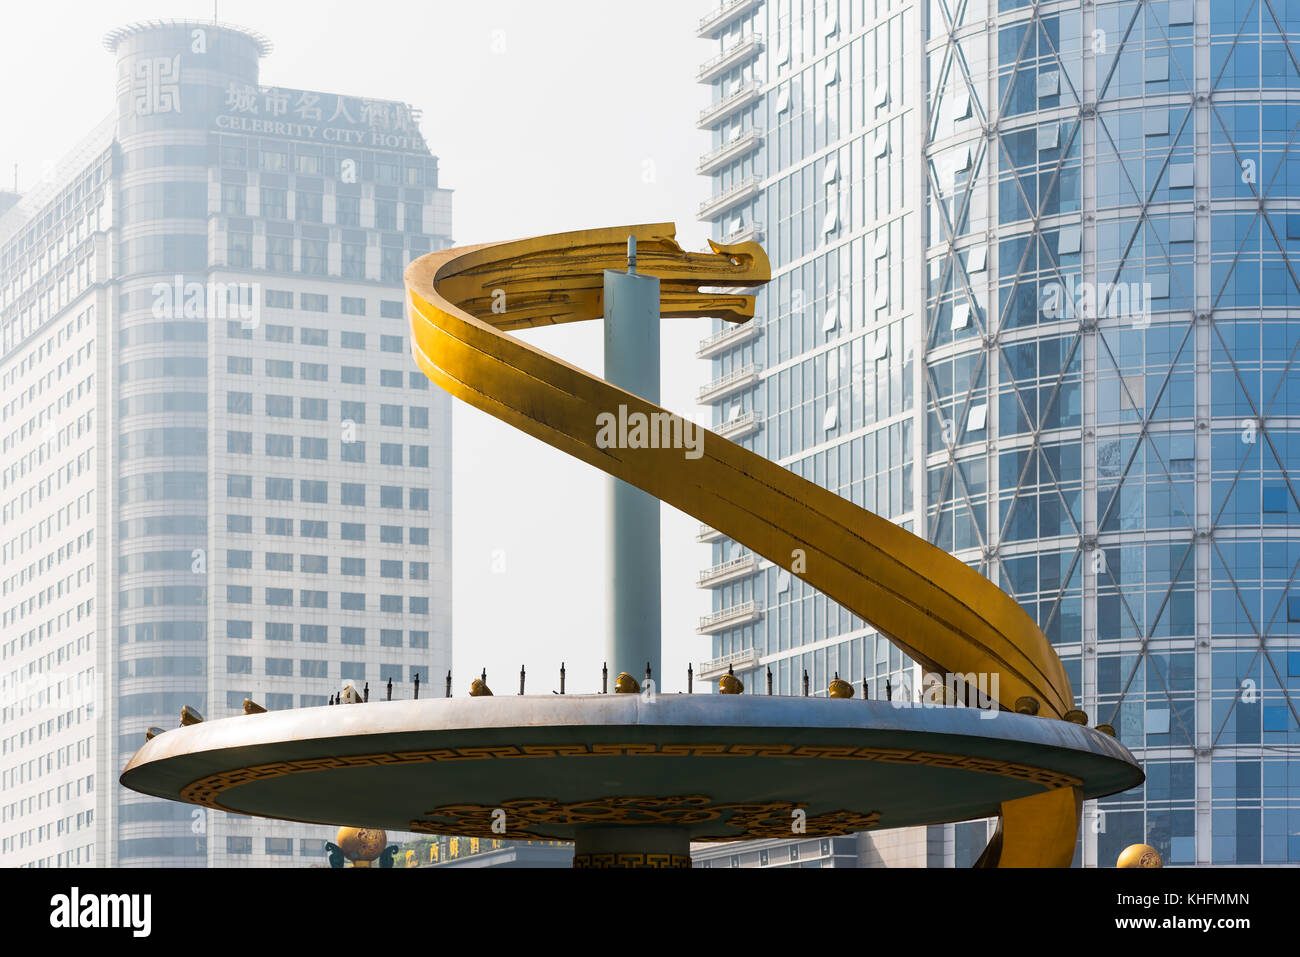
(751, 233)
(727, 571)
(723, 108)
(742, 614)
(734, 334)
(717, 667)
(708, 533)
(739, 193)
(712, 21)
(729, 152)
(740, 426)
(731, 382)
(747, 47)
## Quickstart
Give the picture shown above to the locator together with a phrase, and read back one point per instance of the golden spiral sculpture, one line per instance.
(463, 302)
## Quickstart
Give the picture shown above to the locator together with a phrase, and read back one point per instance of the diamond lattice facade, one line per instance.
(1033, 266)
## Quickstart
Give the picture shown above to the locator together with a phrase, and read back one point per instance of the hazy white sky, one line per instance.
(546, 115)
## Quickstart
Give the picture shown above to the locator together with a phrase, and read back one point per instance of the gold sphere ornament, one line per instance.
(1026, 704)
(730, 684)
(1139, 855)
(361, 844)
(839, 688)
(478, 689)
(190, 716)
(1075, 716)
(1107, 729)
(626, 684)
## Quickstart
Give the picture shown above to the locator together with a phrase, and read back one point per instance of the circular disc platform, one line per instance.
(714, 767)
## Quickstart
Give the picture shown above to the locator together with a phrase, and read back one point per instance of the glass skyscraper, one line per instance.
(1032, 273)
(222, 476)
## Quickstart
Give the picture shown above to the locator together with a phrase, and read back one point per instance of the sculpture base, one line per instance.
(631, 847)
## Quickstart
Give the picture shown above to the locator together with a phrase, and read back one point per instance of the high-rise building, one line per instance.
(1032, 272)
(222, 475)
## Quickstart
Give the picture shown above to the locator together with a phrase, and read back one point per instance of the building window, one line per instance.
(352, 306)
(232, 199)
(307, 206)
(238, 844)
(315, 491)
(354, 261)
(347, 211)
(279, 253)
(275, 203)
(239, 249)
(392, 265)
(352, 601)
(279, 845)
(279, 561)
(315, 257)
(279, 445)
(313, 633)
(311, 448)
(279, 596)
(279, 526)
(352, 636)
(390, 637)
(352, 532)
(311, 668)
(239, 665)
